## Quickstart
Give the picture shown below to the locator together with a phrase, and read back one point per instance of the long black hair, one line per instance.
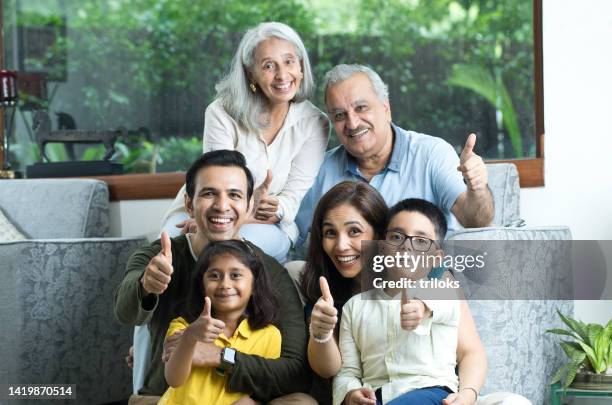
(372, 207)
(262, 308)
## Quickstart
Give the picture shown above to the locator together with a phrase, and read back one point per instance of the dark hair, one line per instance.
(262, 309)
(365, 199)
(221, 157)
(431, 211)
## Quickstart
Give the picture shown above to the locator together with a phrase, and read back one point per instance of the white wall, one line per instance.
(578, 125)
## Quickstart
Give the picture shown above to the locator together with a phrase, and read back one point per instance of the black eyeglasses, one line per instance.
(418, 243)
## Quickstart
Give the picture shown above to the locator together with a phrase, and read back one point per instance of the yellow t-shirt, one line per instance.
(204, 385)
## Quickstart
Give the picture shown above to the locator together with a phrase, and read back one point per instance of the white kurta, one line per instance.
(377, 352)
(294, 156)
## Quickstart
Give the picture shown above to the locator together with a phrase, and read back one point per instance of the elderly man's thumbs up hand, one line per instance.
(324, 315)
(158, 272)
(472, 167)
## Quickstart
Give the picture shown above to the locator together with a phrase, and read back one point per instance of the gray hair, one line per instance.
(238, 100)
(340, 73)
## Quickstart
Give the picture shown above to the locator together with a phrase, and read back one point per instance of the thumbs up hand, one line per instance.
(324, 315)
(206, 328)
(158, 272)
(412, 312)
(472, 167)
(265, 206)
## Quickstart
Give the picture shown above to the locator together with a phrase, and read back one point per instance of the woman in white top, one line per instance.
(262, 110)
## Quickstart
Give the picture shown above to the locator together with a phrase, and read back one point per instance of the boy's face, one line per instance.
(414, 223)
(219, 204)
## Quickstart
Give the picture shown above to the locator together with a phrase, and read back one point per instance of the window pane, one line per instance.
(150, 66)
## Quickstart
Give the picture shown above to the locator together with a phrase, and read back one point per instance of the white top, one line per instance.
(377, 352)
(294, 156)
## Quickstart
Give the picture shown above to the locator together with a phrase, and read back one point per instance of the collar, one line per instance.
(243, 329)
(400, 147)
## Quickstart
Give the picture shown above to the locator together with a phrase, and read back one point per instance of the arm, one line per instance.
(324, 355)
(267, 378)
(350, 374)
(132, 305)
(218, 132)
(304, 169)
(471, 356)
(324, 358)
(178, 366)
(474, 208)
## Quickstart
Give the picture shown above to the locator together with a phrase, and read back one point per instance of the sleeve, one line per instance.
(304, 168)
(176, 325)
(447, 182)
(273, 342)
(445, 312)
(267, 379)
(350, 375)
(177, 207)
(303, 219)
(130, 307)
(218, 131)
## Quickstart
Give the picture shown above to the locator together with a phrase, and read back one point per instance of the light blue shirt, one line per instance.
(421, 166)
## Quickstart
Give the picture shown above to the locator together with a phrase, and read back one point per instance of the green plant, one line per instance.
(590, 348)
(479, 80)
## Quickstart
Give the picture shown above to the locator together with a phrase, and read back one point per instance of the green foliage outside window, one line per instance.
(452, 66)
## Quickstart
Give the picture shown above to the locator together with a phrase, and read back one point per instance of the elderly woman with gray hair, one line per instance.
(262, 110)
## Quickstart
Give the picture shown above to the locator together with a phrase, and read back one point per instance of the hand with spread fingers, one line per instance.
(206, 328)
(412, 312)
(158, 272)
(472, 167)
(360, 396)
(324, 315)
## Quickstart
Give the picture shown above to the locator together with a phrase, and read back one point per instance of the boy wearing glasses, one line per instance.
(398, 350)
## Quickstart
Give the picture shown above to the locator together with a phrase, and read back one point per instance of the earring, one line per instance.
(253, 88)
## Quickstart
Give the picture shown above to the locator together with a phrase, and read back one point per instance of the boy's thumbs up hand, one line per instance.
(206, 328)
(412, 312)
(324, 315)
(158, 272)
(472, 167)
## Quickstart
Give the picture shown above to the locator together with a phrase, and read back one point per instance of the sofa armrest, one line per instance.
(56, 312)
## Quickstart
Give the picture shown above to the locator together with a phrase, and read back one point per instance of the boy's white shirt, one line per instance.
(377, 352)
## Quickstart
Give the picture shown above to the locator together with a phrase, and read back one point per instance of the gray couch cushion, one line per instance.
(56, 312)
(504, 185)
(57, 208)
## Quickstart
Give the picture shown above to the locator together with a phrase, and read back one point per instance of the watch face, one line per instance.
(229, 356)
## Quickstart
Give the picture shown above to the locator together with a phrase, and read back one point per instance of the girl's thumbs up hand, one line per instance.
(206, 328)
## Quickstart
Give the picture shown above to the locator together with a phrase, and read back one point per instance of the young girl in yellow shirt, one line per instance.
(232, 305)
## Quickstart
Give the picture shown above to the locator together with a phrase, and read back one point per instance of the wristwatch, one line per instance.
(228, 359)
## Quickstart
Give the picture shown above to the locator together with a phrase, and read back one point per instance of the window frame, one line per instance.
(166, 185)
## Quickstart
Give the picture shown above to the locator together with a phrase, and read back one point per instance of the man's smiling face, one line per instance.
(220, 203)
(362, 120)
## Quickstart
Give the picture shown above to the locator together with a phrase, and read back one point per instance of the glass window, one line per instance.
(150, 66)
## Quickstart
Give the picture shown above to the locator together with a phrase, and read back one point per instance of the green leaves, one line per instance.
(481, 81)
(591, 348)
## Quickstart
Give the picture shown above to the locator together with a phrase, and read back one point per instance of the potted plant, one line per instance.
(589, 350)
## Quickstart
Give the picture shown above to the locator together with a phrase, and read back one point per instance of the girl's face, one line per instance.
(277, 70)
(228, 283)
(343, 230)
